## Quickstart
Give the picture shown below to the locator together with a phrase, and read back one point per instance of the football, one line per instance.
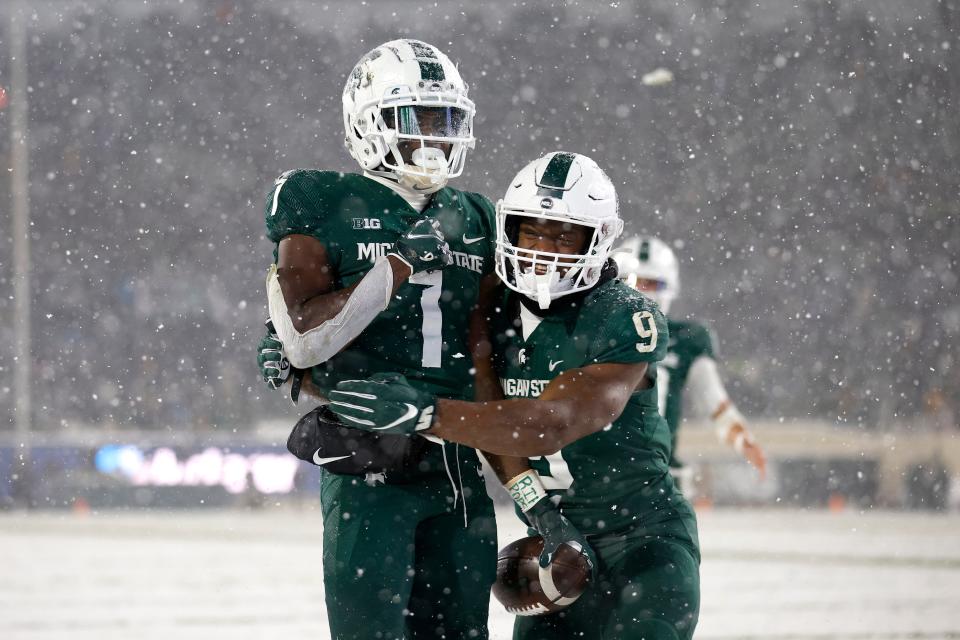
(524, 590)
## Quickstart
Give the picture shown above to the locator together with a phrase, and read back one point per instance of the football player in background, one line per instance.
(575, 352)
(648, 265)
(379, 271)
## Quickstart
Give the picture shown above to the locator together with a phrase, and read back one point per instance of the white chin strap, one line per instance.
(543, 287)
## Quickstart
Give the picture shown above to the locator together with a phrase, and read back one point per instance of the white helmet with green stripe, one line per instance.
(566, 187)
(645, 258)
(406, 98)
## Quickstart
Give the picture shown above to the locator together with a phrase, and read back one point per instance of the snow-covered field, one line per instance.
(240, 574)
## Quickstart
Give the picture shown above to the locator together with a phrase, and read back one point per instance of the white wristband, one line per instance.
(526, 489)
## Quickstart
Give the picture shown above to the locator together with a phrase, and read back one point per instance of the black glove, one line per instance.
(423, 247)
(556, 530)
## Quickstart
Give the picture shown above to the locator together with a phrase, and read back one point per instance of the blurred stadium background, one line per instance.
(800, 157)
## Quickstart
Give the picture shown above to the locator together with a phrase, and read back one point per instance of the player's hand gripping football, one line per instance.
(423, 247)
(557, 530)
(386, 403)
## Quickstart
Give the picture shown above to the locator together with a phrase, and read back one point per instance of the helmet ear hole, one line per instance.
(368, 156)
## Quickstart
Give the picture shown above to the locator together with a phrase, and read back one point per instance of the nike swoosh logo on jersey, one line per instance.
(553, 365)
(411, 411)
(317, 460)
(467, 240)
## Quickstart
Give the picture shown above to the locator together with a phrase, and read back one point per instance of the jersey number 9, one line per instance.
(646, 330)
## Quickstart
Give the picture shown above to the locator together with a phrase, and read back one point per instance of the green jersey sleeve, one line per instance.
(634, 331)
(307, 202)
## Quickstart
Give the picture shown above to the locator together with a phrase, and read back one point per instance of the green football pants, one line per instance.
(398, 561)
(651, 593)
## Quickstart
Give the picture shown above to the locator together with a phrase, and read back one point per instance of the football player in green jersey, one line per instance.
(650, 266)
(379, 271)
(574, 350)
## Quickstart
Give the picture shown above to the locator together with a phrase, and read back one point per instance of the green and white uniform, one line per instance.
(688, 342)
(401, 559)
(614, 485)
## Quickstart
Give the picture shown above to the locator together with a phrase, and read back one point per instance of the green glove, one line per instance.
(386, 403)
(273, 363)
(423, 247)
(556, 530)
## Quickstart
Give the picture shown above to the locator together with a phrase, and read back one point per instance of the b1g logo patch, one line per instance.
(366, 223)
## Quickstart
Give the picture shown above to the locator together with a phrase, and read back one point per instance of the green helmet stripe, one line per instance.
(555, 175)
(644, 251)
(431, 71)
(430, 67)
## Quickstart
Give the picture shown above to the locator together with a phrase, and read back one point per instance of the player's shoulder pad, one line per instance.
(621, 318)
(300, 200)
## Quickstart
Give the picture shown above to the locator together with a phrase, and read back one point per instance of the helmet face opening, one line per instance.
(434, 124)
(554, 232)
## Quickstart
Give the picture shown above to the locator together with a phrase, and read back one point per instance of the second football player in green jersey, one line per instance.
(575, 353)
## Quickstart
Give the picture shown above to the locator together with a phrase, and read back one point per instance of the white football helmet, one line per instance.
(568, 187)
(407, 90)
(649, 258)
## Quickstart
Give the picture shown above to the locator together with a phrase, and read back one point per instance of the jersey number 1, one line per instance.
(432, 328)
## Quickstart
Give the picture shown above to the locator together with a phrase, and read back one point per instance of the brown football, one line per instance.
(519, 586)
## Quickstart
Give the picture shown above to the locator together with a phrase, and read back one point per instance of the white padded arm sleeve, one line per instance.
(304, 350)
(709, 396)
(704, 386)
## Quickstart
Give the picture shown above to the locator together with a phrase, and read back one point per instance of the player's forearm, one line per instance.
(358, 306)
(312, 311)
(506, 467)
(520, 427)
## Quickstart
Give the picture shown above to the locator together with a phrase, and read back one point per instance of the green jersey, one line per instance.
(688, 341)
(617, 479)
(422, 334)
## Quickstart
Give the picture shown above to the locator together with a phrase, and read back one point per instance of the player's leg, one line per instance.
(368, 556)
(455, 568)
(657, 590)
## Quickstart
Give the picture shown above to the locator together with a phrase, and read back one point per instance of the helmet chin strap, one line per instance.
(432, 160)
(543, 284)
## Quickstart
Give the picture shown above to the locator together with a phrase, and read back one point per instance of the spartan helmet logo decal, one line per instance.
(522, 356)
